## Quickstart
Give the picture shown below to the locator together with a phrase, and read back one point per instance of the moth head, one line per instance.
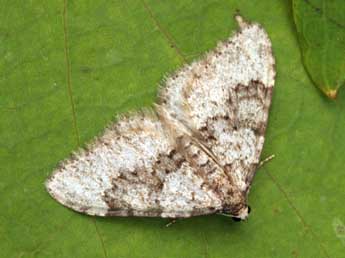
(240, 214)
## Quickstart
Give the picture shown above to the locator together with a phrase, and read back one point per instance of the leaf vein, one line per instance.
(68, 72)
(164, 32)
(298, 213)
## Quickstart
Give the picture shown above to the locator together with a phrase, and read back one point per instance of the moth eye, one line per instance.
(249, 209)
(236, 219)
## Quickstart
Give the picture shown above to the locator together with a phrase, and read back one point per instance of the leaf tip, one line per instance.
(332, 94)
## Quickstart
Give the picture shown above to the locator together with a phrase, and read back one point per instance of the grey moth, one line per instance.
(194, 153)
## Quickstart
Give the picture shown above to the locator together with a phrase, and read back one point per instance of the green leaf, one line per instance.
(321, 32)
(66, 74)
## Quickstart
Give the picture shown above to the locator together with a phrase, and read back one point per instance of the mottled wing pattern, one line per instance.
(135, 169)
(224, 100)
(195, 155)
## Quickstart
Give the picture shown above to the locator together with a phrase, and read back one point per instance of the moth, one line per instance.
(194, 153)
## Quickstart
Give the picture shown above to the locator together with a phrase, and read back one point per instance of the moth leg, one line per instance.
(263, 162)
(172, 221)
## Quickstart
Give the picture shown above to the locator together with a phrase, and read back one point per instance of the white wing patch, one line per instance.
(196, 156)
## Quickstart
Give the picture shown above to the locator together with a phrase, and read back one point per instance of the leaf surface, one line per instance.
(69, 67)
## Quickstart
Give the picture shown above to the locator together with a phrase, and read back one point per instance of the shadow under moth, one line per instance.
(194, 153)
